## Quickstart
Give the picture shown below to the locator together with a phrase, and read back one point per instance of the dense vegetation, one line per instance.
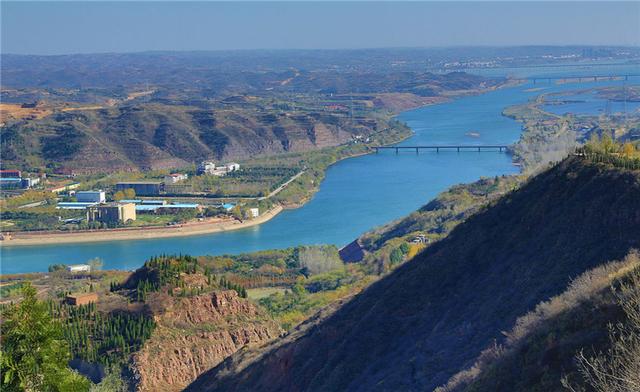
(34, 351)
(95, 337)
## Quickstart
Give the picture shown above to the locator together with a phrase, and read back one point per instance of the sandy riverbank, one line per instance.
(188, 229)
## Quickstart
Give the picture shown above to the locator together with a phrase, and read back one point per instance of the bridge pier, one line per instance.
(417, 148)
(397, 149)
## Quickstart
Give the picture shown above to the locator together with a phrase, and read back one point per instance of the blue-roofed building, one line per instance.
(75, 205)
(171, 208)
(154, 202)
(10, 183)
(165, 208)
(146, 208)
(134, 201)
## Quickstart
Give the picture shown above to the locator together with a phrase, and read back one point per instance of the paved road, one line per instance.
(281, 187)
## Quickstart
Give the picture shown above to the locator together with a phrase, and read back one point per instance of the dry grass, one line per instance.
(13, 112)
(581, 289)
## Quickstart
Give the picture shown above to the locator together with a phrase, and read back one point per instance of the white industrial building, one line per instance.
(91, 196)
(79, 268)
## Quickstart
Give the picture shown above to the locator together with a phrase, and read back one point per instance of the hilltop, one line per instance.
(432, 316)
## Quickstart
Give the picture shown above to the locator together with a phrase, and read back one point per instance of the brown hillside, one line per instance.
(194, 334)
(156, 136)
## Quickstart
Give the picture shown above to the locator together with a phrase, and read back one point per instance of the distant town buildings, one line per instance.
(10, 173)
(12, 179)
(10, 183)
(208, 167)
(91, 196)
(175, 177)
(142, 188)
(160, 206)
(112, 213)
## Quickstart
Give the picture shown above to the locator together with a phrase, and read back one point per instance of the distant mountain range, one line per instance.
(100, 113)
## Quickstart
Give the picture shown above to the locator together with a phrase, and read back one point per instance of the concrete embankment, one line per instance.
(188, 229)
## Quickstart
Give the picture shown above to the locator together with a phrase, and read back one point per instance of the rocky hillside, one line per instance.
(194, 334)
(156, 136)
(432, 317)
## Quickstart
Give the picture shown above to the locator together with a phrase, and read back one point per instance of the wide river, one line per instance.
(357, 194)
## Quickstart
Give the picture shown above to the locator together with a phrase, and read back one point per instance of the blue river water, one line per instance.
(357, 194)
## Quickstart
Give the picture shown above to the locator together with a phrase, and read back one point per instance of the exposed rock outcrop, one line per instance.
(195, 334)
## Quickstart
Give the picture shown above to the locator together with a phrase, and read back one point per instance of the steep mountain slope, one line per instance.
(541, 348)
(430, 318)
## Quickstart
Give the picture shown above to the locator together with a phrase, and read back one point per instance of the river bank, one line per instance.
(355, 196)
(187, 229)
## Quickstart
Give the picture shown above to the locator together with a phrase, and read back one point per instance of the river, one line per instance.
(357, 194)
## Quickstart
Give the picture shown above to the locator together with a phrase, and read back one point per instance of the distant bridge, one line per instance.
(478, 148)
(580, 78)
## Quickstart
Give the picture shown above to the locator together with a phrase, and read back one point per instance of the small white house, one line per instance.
(254, 212)
(175, 177)
(79, 268)
(232, 166)
(91, 196)
(206, 167)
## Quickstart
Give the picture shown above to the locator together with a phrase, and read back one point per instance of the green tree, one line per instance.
(396, 256)
(34, 351)
(57, 267)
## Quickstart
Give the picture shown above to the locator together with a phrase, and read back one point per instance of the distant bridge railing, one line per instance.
(580, 78)
(458, 148)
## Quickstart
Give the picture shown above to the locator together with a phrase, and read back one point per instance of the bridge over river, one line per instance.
(437, 148)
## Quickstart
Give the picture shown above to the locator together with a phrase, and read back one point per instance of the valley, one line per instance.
(253, 308)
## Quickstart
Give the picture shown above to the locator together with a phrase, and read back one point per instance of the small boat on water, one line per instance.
(472, 134)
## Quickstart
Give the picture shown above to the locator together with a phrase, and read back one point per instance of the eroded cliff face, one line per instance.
(195, 334)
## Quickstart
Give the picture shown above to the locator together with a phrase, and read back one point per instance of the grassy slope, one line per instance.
(431, 317)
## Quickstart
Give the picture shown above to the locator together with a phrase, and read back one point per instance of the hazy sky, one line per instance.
(89, 27)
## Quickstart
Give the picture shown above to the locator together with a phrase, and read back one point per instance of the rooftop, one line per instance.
(140, 182)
